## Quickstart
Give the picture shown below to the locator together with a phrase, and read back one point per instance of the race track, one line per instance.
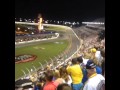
(67, 34)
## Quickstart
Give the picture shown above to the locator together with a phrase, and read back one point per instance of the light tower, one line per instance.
(40, 26)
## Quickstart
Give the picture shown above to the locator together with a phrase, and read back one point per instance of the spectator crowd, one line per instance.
(84, 72)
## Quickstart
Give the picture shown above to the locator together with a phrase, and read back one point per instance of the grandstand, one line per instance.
(98, 24)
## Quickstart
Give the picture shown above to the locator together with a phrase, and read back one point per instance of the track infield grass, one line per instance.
(43, 51)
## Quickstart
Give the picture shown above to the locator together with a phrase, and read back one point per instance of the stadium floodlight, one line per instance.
(18, 28)
(102, 23)
(32, 33)
(31, 70)
(46, 22)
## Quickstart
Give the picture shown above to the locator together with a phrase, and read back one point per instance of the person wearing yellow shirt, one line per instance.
(76, 74)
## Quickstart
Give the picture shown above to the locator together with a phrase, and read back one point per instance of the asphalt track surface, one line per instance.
(68, 34)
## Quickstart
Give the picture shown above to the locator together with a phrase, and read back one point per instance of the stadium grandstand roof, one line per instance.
(99, 20)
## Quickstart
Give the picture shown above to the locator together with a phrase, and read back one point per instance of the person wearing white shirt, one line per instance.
(95, 80)
(98, 56)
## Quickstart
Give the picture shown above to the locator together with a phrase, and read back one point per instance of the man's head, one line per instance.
(57, 74)
(64, 87)
(49, 75)
(80, 59)
(103, 53)
(69, 63)
(74, 61)
(63, 71)
(90, 67)
(42, 78)
(90, 64)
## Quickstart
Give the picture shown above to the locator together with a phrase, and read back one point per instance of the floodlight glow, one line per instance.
(73, 23)
(18, 28)
(46, 22)
(32, 33)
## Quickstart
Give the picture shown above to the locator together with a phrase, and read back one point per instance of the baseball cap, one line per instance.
(90, 64)
(93, 50)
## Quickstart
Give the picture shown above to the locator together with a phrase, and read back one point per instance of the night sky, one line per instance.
(77, 10)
